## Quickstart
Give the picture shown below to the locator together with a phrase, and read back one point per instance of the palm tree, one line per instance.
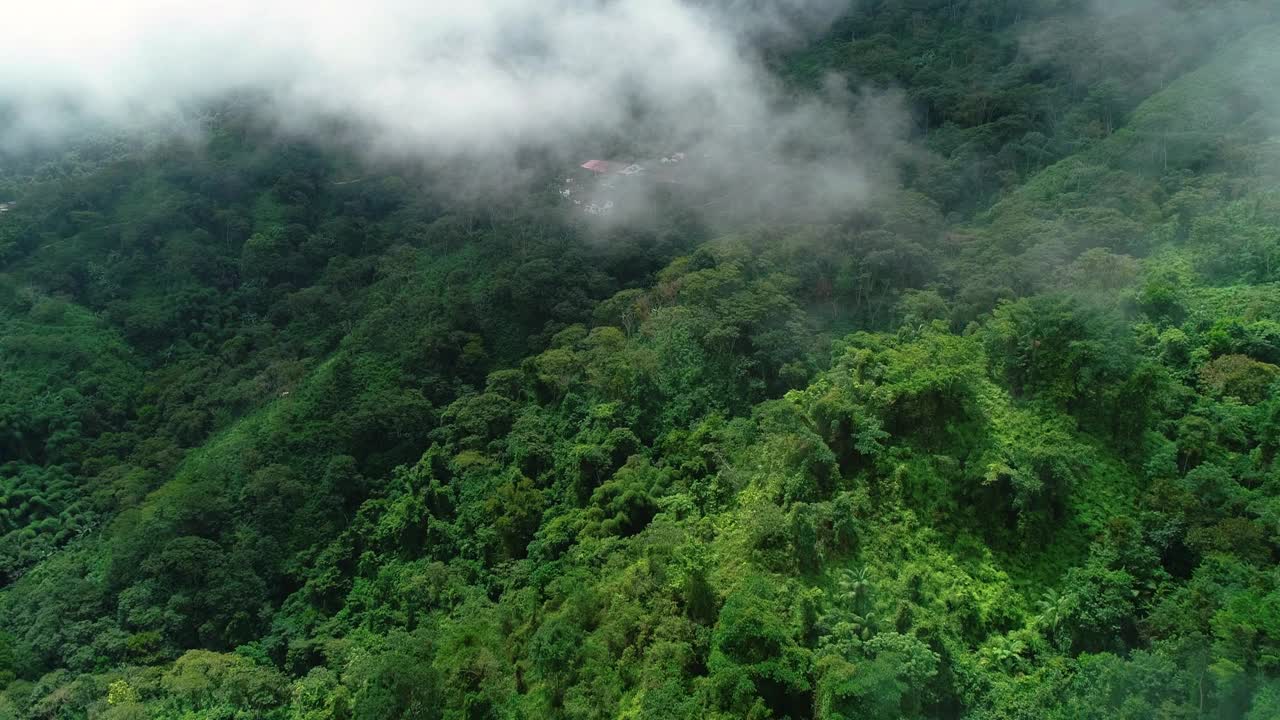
(864, 626)
(847, 635)
(1001, 651)
(1053, 608)
(855, 587)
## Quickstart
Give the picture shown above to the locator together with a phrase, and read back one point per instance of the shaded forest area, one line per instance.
(275, 444)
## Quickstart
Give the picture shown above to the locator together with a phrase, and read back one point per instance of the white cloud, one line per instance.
(443, 75)
(448, 78)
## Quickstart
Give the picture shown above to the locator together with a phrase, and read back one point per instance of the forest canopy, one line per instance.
(980, 421)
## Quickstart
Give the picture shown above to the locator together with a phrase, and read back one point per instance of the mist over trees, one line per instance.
(944, 387)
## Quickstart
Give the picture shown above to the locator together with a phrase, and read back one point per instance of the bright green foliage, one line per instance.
(1002, 445)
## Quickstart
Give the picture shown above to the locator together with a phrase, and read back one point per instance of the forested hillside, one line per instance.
(287, 432)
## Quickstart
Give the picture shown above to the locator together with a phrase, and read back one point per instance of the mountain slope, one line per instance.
(329, 450)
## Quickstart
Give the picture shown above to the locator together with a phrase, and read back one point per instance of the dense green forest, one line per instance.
(285, 434)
